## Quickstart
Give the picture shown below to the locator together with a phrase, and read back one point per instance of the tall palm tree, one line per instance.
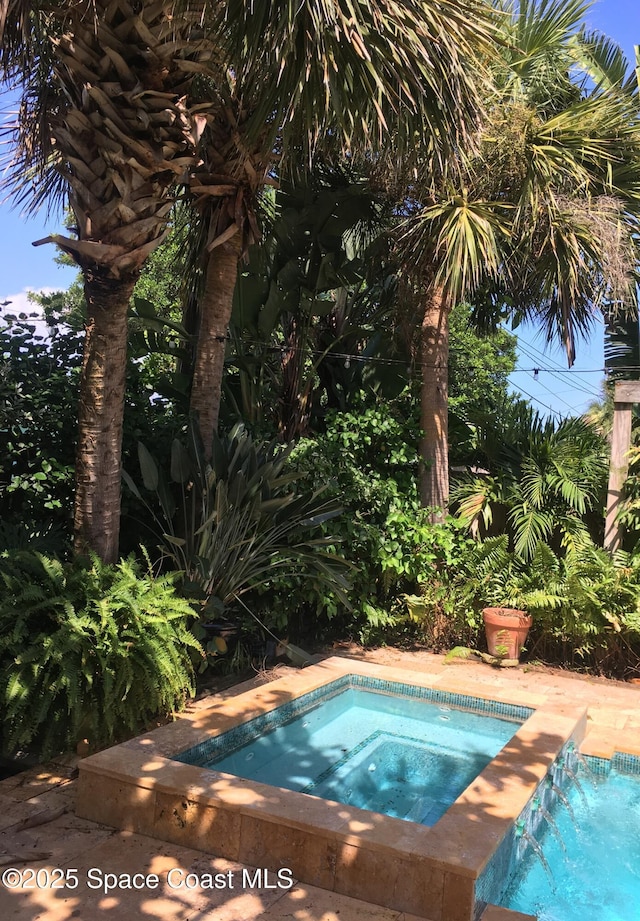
(542, 217)
(104, 126)
(108, 122)
(316, 76)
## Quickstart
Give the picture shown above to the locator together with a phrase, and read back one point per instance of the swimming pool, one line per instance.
(589, 867)
(395, 752)
(429, 871)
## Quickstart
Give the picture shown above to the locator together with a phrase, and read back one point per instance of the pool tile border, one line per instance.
(426, 871)
(621, 761)
(235, 738)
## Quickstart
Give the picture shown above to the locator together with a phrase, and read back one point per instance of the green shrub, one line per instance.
(369, 461)
(88, 650)
(38, 412)
(585, 604)
(38, 425)
(547, 482)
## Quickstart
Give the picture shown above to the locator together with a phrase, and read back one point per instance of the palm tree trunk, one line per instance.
(434, 395)
(215, 313)
(100, 416)
(294, 409)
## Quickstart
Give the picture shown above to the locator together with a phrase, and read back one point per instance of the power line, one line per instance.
(578, 371)
(557, 396)
(536, 400)
(590, 391)
(372, 359)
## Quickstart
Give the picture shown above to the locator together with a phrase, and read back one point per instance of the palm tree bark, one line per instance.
(434, 394)
(100, 416)
(215, 314)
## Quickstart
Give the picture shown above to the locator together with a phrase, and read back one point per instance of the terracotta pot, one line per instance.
(506, 630)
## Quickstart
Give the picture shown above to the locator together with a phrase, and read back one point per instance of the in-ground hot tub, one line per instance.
(427, 870)
(380, 745)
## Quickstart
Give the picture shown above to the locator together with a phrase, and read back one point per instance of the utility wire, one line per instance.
(557, 396)
(588, 390)
(578, 371)
(536, 400)
(591, 392)
(372, 359)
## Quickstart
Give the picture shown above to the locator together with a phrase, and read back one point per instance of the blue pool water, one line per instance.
(404, 757)
(593, 857)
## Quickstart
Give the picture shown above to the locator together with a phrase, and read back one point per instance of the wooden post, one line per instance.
(626, 394)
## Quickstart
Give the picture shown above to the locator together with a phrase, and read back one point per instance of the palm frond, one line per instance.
(604, 61)
(466, 238)
(344, 74)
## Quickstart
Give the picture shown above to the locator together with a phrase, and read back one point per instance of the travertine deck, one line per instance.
(66, 841)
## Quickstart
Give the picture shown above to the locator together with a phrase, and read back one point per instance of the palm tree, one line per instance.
(311, 77)
(542, 218)
(103, 126)
(108, 124)
(546, 482)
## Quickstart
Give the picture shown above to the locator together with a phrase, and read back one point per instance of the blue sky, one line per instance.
(557, 390)
(26, 267)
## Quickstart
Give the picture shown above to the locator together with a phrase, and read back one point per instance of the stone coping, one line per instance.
(428, 871)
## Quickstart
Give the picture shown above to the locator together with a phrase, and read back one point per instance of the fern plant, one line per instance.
(585, 604)
(88, 650)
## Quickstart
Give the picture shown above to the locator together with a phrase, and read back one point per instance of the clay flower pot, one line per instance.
(506, 630)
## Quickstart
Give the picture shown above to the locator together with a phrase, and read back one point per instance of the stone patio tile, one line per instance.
(5, 802)
(175, 737)
(7, 785)
(458, 899)
(34, 781)
(17, 810)
(607, 716)
(402, 675)
(137, 854)
(600, 742)
(40, 905)
(455, 844)
(404, 882)
(460, 684)
(61, 839)
(385, 834)
(308, 903)
(128, 854)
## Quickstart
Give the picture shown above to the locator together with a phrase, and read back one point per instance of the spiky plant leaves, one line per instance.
(549, 481)
(180, 462)
(239, 521)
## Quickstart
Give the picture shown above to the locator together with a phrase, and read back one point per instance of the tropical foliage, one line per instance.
(311, 229)
(40, 366)
(236, 522)
(585, 604)
(542, 217)
(88, 650)
(547, 483)
(312, 302)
